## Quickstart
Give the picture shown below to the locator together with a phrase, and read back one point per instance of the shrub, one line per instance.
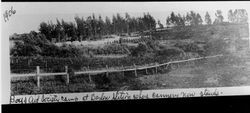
(169, 51)
(140, 50)
(21, 49)
(188, 47)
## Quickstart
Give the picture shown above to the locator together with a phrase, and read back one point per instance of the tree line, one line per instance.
(94, 28)
(192, 18)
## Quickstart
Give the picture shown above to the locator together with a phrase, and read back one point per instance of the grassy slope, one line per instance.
(202, 75)
(214, 73)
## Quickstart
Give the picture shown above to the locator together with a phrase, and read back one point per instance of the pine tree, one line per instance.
(199, 19)
(108, 26)
(188, 18)
(128, 21)
(208, 19)
(100, 28)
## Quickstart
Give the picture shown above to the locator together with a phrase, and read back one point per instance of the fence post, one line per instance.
(46, 65)
(90, 80)
(123, 71)
(135, 71)
(146, 70)
(167, 66)
(107, 71)
(156, 69)
(37, 75)
(67, 74)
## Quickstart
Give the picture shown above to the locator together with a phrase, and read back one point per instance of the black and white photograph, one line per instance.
(82, 47)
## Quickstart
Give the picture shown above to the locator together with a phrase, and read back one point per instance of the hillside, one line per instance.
(173, 44)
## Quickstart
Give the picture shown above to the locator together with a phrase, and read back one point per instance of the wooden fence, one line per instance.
(107, 70)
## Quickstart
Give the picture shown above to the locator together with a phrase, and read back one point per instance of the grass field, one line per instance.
(199, 76)
(215, 72)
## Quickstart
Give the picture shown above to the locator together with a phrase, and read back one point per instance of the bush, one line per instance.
(140, 50)
(169, 51)
(188, 47)
(21, 49)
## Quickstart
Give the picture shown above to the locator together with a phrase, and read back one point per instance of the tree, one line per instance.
(133, 24)
(140, 24)
(151, 22)
(180, 20)
(59, 31)
(94, 24)
(128, 20)
(64, 30)
(219, 17)
(199, 19)
(73, 32)
(231, 16)
(80, 23)
(173, 19)
(160, 25)
(70, 30)
(176, 20)
(114, 24)
(240, 16)
(168, 21)
(119, 23)
(100, 26)
(108, 26)
(193, 18)
(44, 29)
(188, 18)
(208, 19)
(89, 27)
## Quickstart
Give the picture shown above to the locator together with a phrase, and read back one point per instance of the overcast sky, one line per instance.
(29, 15)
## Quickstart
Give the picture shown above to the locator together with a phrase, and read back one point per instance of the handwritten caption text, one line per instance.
(104, 96)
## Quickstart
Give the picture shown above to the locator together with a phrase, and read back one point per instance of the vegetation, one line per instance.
(237, 16)
(208, 19)
(93, 28)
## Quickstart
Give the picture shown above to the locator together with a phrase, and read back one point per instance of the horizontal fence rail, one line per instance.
(107, 70)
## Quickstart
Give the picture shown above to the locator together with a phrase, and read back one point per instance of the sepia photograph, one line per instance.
(126, 46)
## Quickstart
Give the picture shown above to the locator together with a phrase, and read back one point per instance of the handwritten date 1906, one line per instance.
(7, 14)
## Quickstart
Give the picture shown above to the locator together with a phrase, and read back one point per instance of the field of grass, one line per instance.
(78, 83)
(216, 72)
(199, 76)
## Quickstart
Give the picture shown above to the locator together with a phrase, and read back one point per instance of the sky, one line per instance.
(30, 14)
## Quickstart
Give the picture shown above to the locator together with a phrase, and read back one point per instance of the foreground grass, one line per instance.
(78, 83)
(201, 75)
(210, 73)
